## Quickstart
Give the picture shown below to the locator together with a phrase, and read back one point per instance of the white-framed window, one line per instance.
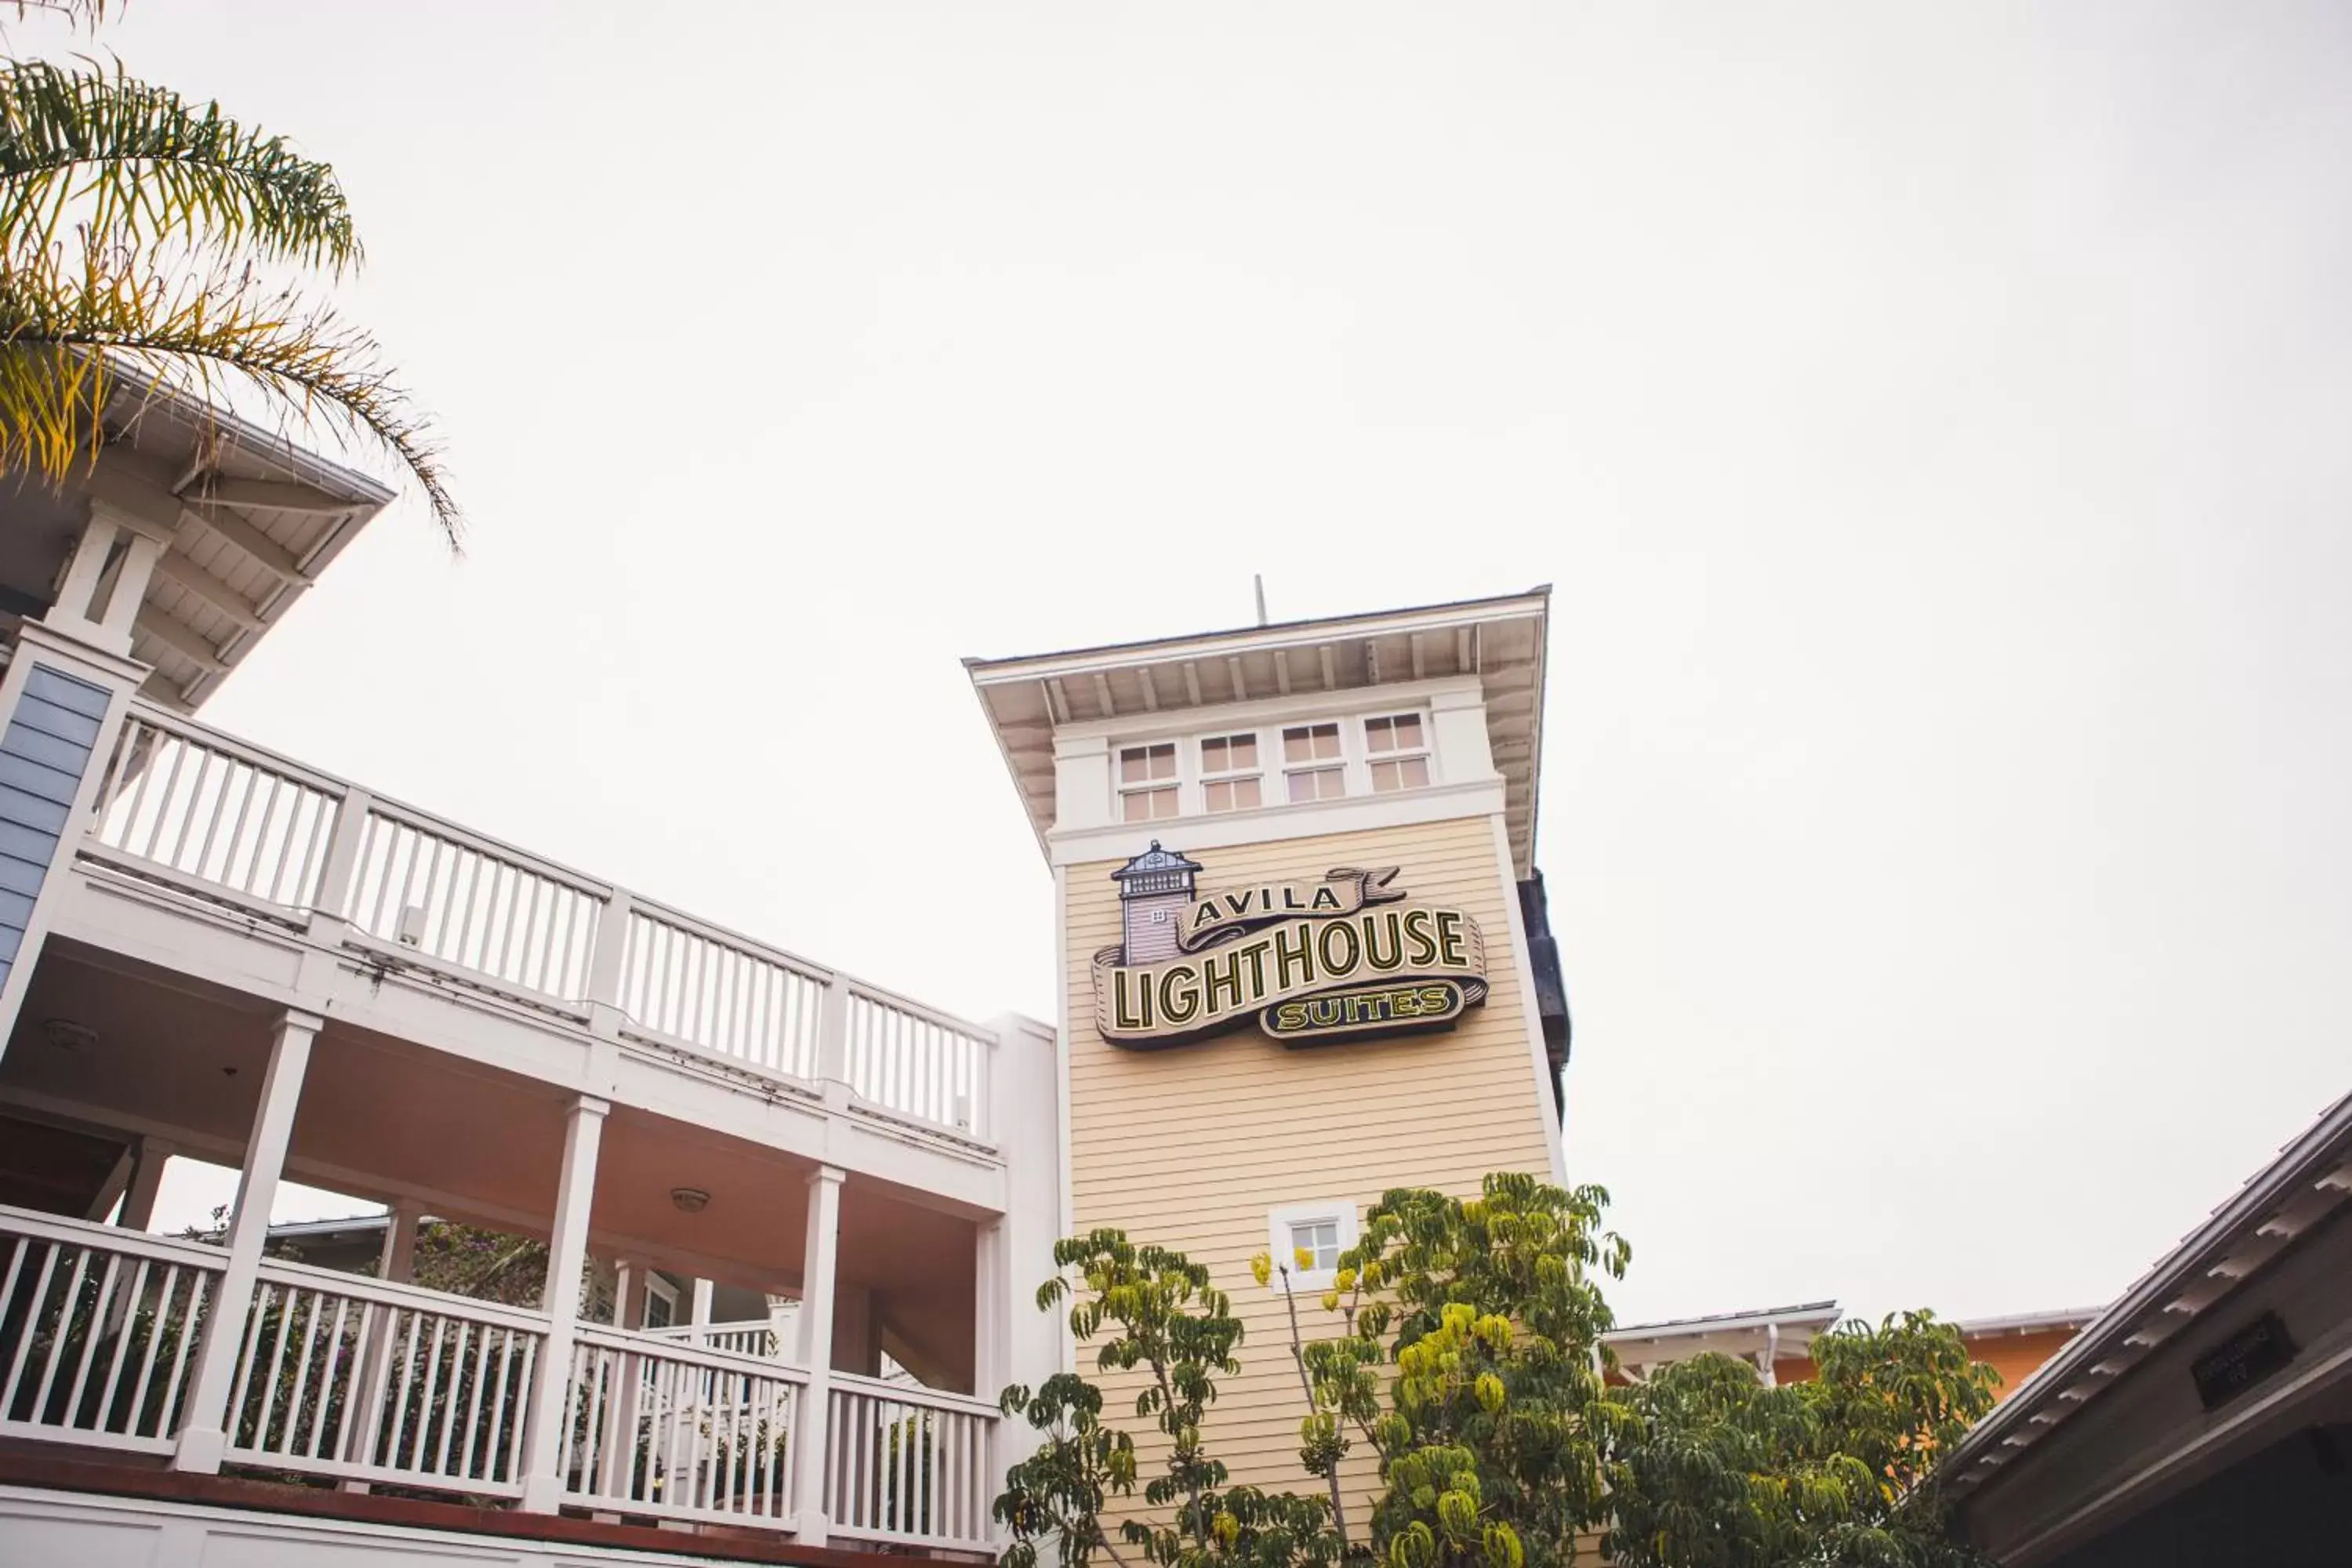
(1321, 1230)
(1312, 766)
(661, 1302)
(1396, 749)
(1147, 782)
(1231, 779)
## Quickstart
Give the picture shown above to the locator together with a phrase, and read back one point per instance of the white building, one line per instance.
(214, 951)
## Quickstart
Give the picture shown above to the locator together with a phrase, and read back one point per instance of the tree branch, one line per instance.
(1307, 1387)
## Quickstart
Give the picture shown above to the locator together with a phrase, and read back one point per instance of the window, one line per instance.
(1321, 1230)
(1317, 1241)
(1311, 761)
(661, 1302)
(1398, 747)
(1147, 782)
(1229, 778)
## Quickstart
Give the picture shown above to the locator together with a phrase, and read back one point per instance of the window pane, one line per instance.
(1232, 794)
(1131, 766)
(1379, 734)
(1245, 794)
(1319, 1240)
(1162, 762)
(1147, 804)
(1402, 773)
(1317, 784)
(1408, 732)
(1311, 743)
(1212, 756)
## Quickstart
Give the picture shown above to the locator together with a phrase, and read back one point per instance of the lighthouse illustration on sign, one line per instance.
(1349, 955)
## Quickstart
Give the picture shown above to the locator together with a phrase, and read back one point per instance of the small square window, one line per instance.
(1397, 747)
(1315, 1244)
(1322, 1231)
(1147, 782)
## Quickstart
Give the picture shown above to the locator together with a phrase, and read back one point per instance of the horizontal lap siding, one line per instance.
(43, 752)
(1192, 1146)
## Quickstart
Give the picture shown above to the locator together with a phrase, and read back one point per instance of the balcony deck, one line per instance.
(420, 915)
(460, 1009)
(350, 1379)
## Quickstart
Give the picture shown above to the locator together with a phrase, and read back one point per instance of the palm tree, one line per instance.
(149, 241)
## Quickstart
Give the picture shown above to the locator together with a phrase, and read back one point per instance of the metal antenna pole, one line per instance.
(1258, 579)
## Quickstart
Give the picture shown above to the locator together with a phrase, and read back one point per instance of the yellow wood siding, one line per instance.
(1192, 1146)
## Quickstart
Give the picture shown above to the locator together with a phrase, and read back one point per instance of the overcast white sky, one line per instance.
(1931, 419)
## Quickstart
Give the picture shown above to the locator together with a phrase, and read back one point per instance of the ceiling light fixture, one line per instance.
(68, 1036)
(690, 1200)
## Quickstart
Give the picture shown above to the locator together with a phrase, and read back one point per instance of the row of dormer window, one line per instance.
(1240, 770)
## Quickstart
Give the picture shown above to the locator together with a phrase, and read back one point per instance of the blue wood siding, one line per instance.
(44, 753)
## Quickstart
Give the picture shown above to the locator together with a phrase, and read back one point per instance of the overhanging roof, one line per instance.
(1788, 1331)
(1502, 641)
(251, 520)
(2286, 1200)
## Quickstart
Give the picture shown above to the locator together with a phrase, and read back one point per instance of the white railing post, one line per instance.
(810, 1442)
(546, 1441)
(832, 1041)
(605, 963)
(327, 918)
(203, 1434)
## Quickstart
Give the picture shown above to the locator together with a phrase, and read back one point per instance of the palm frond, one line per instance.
(65, 326)
(77, 13)
(142, 165)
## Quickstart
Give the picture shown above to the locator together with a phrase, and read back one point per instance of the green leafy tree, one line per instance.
(1715, 1470)
(143, 234)
(1466, 1365)
(1466, 1361)
(1156, 1314)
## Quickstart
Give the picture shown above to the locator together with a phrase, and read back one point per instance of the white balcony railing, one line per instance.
(194, 809)
(363, 1379)
(366, 1380)
(907, 1464)
(756, 1338)
(95, 1329)
(671, 1429)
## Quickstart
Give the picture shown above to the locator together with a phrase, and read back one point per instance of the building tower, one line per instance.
(1349, 970)
(1154, 890)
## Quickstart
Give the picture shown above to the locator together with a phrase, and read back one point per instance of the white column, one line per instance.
(204, 1433)
(545, 1439)
(832, 1042)
(628, 1291)
(70, 613)
(698, 1311)
(140, 552)
(146, 1181)
(817, 1268)
(397, 1262)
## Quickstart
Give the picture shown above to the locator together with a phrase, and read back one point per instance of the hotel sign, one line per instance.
(1347, 956)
